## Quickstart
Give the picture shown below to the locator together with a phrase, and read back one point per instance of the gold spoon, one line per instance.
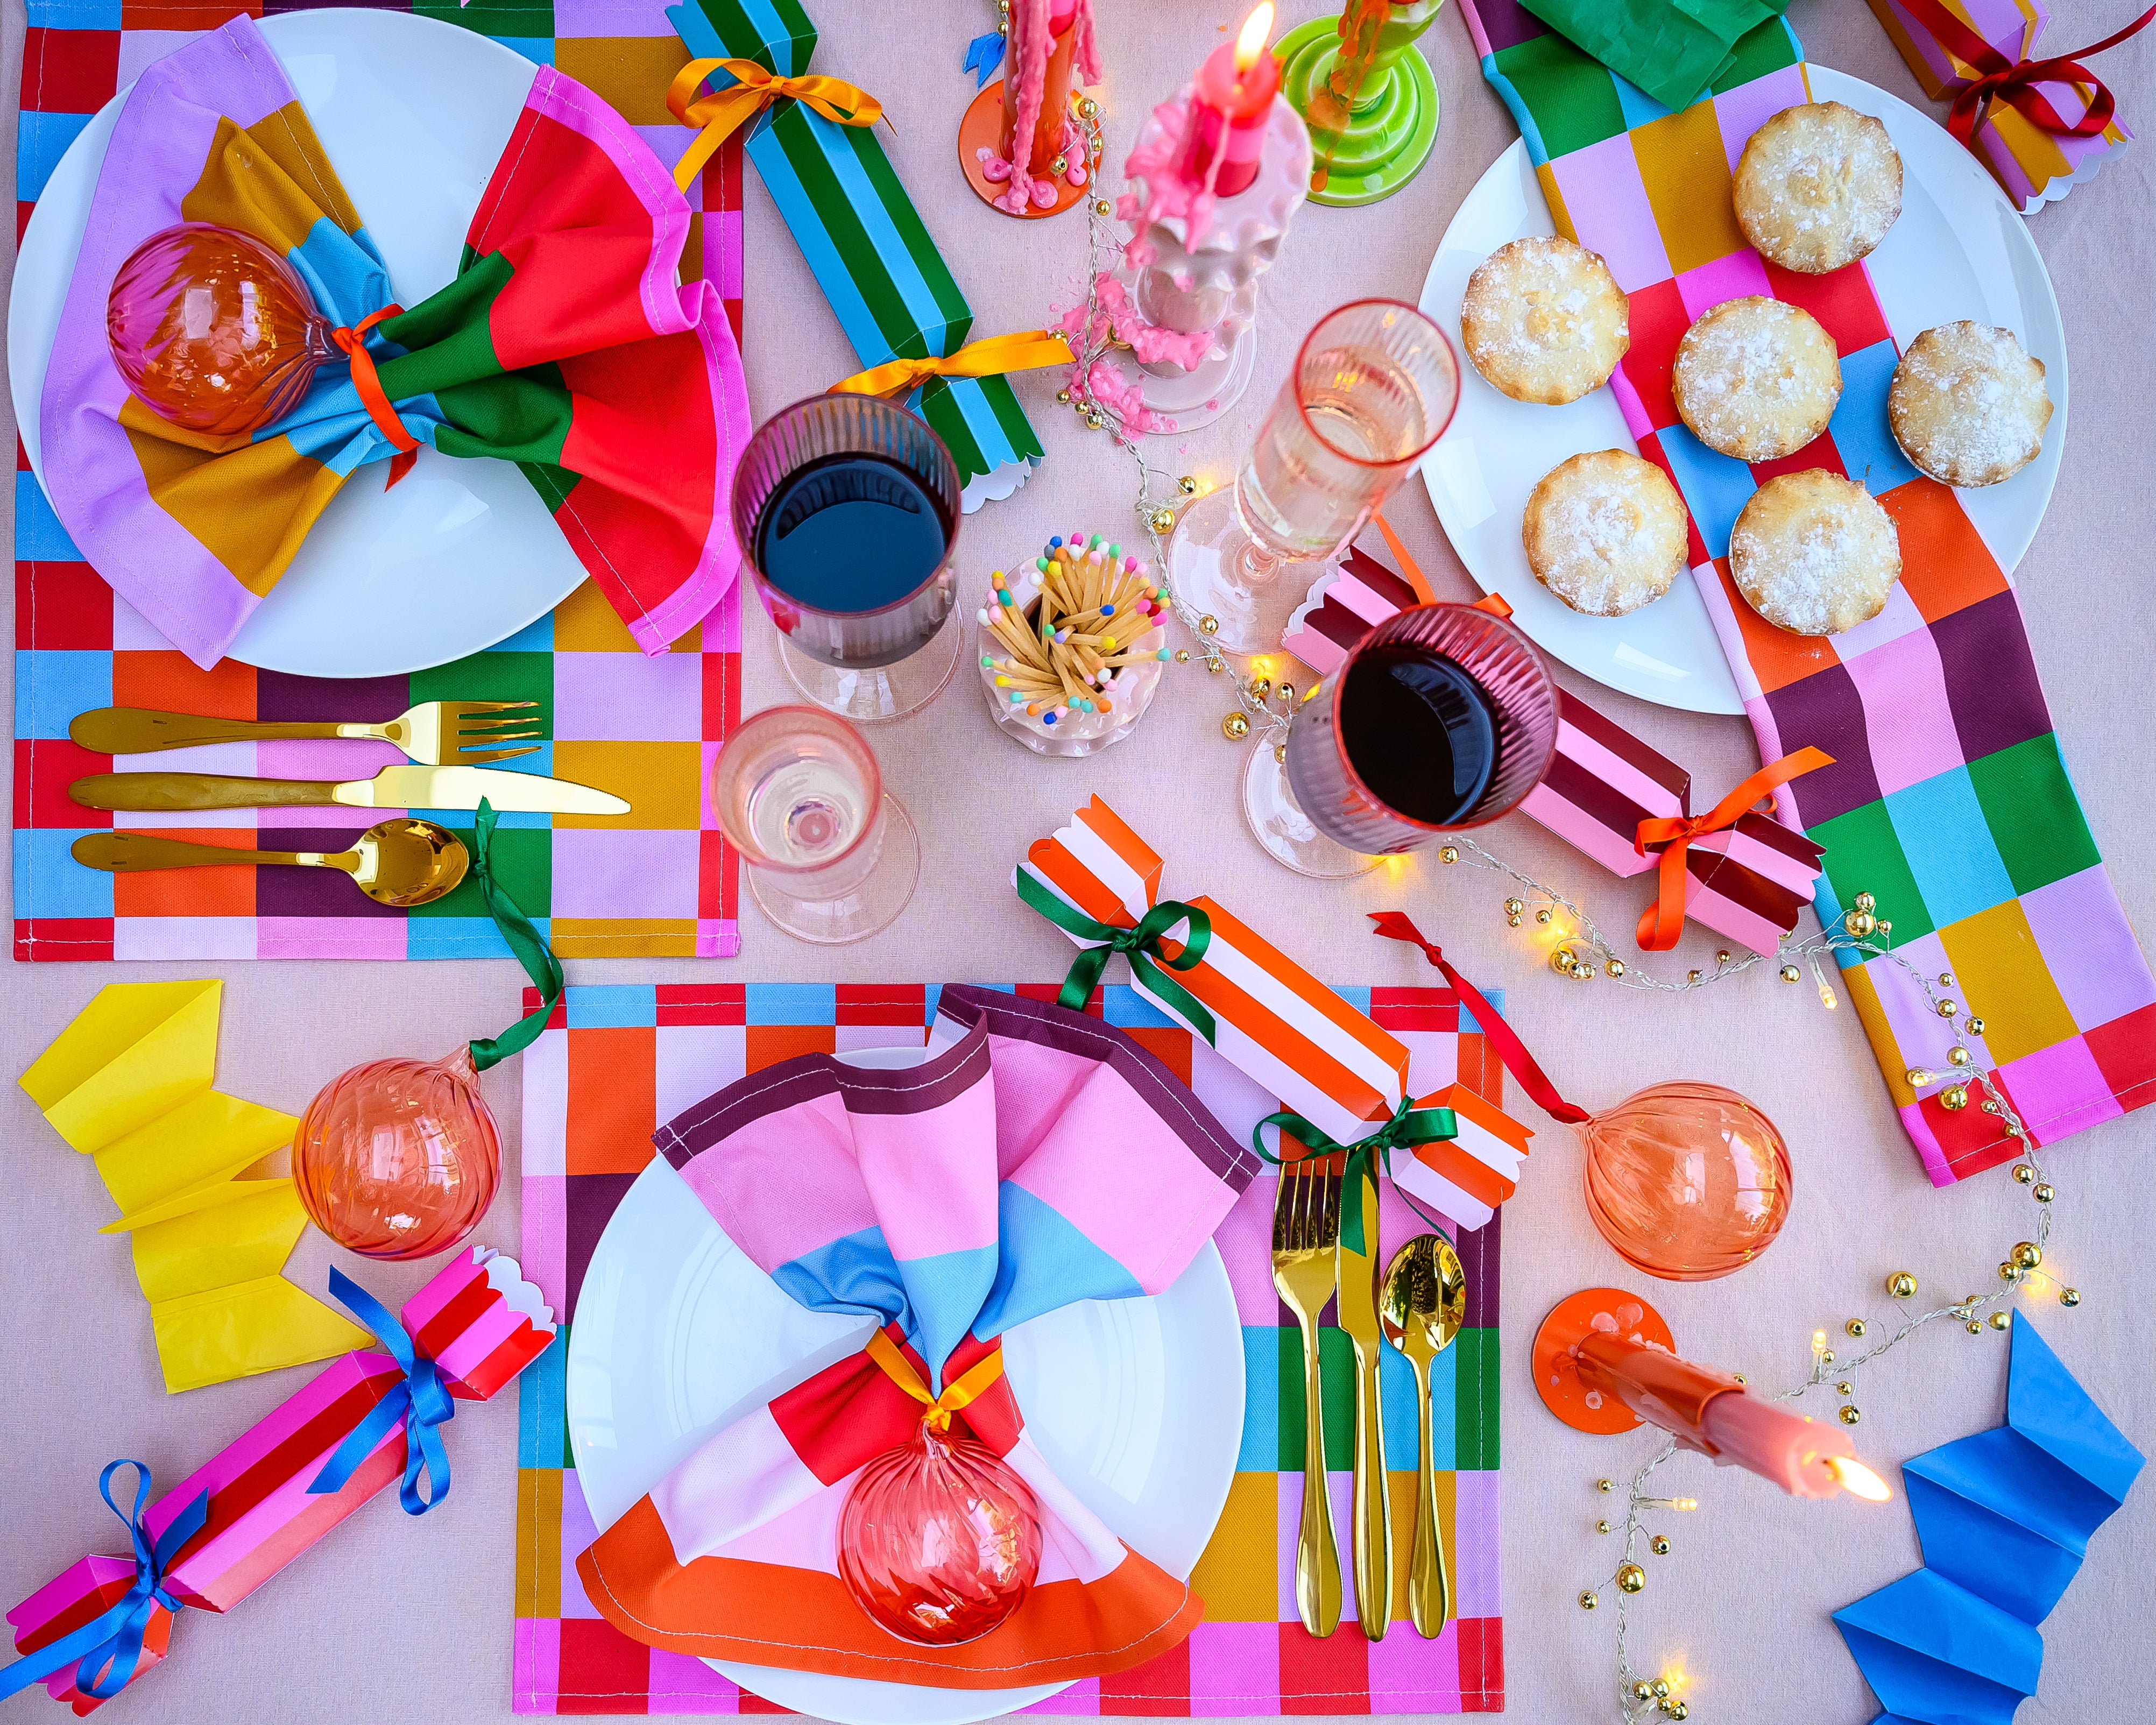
(1423, 1305)
(393, 862)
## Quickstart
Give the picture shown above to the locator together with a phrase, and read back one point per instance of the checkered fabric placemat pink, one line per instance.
(659, 881)
(615, 1062)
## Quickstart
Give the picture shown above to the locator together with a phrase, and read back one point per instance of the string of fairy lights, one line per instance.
(1579, 951)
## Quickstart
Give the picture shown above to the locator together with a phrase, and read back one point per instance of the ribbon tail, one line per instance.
(359, 1443)
(524, 940)
(1395, 925)
(1174, 998)
(430, 1454)
(75, 1647)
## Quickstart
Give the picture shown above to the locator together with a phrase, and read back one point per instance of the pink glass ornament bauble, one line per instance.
(398, 1158)
(212, 330)
(1687, 1181)
(939, 1540)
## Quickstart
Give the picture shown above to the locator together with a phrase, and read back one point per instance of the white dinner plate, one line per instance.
(413, 113)
(1137, 1403)
(1959, 250)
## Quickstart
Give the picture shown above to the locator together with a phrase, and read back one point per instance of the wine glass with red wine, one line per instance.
(1443, 716)
(846, 510)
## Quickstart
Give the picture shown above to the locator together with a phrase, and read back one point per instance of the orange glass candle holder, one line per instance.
(398, 1158)
(212, 330)
(939, 1541)
(1688, 1181)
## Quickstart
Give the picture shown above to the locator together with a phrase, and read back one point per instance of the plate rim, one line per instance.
(978, 1704)
(1826, 83)
(22, 365)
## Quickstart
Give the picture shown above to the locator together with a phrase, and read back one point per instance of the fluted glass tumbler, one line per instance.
(831, 856)
(846, 508)
(1443, 716)
(1373, 388)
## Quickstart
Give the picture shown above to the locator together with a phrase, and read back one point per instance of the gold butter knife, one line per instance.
(392, 787)
(1357, 1311)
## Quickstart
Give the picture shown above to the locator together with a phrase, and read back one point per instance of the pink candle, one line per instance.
(1060, 14)
(1232, 96)
(1709, 1411)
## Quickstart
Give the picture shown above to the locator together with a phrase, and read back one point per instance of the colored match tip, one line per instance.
(1056, 542)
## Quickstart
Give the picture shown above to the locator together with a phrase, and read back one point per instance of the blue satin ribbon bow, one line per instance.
(421, 1400)
(110, 1645)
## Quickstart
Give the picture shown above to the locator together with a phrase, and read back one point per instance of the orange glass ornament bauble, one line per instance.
(398, 1158)
(939, 1540)
(1687, 1181)
(212, 330)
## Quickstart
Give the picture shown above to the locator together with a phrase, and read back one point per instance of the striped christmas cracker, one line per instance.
(1272, 1020)
(864, 238)
(1468, 1176)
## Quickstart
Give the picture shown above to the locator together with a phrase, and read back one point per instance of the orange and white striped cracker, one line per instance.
(1272, 1020)
(1465, 1178)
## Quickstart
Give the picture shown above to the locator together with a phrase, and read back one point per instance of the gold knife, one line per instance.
(1357, 1310)
(392, 787)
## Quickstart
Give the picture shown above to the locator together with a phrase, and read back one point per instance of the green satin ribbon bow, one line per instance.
(1139, 944)
(1409, 1127)
(525, 940)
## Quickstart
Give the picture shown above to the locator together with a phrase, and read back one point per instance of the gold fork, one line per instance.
(435, 733)
(1306, 1238)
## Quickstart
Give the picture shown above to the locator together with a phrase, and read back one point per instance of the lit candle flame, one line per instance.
(1858, 1479)
(1257, 29)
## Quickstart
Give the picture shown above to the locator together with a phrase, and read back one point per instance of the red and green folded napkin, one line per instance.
(566, 344)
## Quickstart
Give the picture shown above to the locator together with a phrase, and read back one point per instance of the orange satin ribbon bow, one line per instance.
(2015, 85)
(988, 358)
(887, 1354)
(368, 382)
(1663, 922)
(724, 111)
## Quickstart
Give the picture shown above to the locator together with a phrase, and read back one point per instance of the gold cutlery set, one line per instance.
(404, 862)
(1418, 1309)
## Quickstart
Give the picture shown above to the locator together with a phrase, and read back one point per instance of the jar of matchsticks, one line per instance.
(1072, 646)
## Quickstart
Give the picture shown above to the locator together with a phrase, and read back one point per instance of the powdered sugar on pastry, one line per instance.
(1817, 186)
(1544, 321)
(1969, 404)
(1757, 378)
(1606, 532)
(1814, 553)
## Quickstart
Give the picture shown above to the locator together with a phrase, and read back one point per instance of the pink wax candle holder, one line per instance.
(1021, 148)
(1215, 177)
(1604, 1364)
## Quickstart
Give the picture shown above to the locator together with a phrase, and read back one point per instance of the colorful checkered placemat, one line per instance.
(1949, 800)
(659, 881)
(613, 1062)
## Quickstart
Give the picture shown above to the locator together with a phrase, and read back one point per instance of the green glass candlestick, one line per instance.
(1368, 95)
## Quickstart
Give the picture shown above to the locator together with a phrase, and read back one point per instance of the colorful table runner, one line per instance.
(1949, 801)
(615, 1062)
(659, 882)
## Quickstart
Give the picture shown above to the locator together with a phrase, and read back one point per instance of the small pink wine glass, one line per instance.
(1373, 387)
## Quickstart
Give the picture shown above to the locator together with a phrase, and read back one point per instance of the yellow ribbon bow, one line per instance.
(887, 1354)
(723, 112)
(990, 356)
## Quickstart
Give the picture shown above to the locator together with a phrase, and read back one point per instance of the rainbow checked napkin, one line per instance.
(1949, 800)
(660, 882)
(616, 1062)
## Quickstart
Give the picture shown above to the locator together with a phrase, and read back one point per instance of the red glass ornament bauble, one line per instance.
(398, 1158)
(939, 1540)
(1687, 1181)
(212, 330)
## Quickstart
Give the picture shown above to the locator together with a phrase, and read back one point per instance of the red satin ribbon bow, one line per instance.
(2015, 84)
(372, 397)
(1663, 922)
(1395, 926)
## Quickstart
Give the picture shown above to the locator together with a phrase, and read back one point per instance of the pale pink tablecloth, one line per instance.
(401, 1618)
